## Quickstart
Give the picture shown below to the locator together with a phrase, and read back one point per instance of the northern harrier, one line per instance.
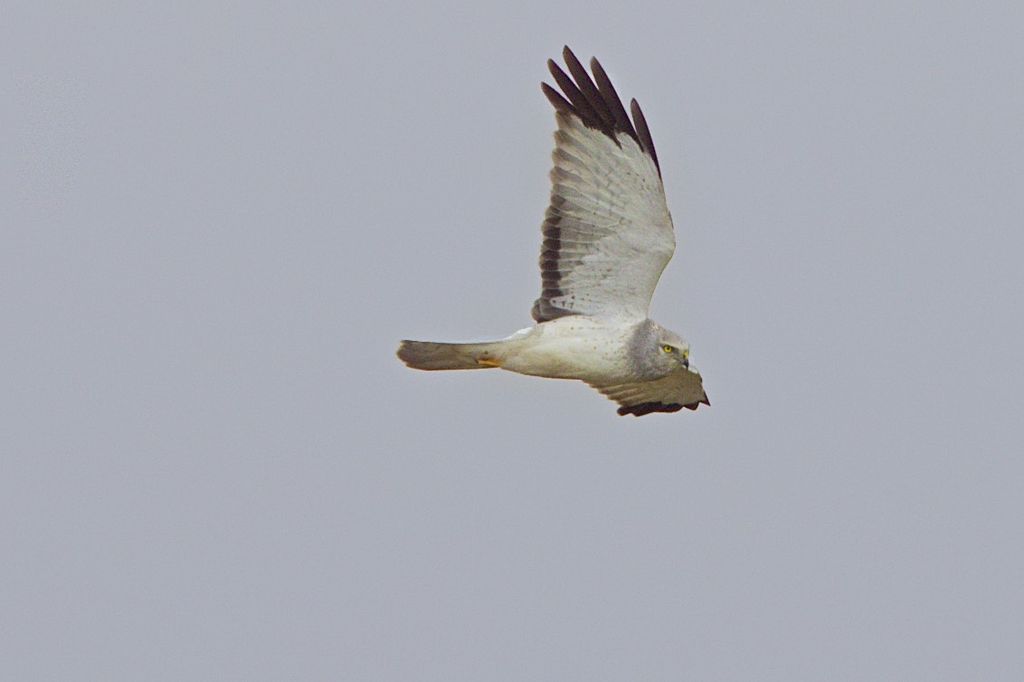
(607, 237)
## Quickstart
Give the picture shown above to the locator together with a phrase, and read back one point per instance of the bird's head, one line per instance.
(672, 350)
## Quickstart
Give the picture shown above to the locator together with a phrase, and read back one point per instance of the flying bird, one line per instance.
(607, 236)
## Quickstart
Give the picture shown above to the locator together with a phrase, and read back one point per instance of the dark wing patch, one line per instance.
(644, 133)
(550, 274)
(641, 409)
(611, 98)
(597, 105)
(647, 408)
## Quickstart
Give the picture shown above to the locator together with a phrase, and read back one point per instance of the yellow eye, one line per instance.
(667, 348)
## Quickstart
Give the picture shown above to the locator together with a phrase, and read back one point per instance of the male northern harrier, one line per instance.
(607, 237)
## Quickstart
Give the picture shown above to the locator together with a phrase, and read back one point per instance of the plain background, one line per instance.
(218, 219)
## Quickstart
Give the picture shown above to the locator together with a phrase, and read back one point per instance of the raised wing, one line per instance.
(672, 393)
(607, 232)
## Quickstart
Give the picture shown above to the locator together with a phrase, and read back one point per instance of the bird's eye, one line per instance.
(667, 348)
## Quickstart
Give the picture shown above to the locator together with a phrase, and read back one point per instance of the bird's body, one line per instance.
(607, 237)
(572, 347)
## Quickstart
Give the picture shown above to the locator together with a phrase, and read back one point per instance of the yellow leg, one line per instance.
(488, 362)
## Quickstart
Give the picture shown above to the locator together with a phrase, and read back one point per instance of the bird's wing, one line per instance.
(682, 388)
(607, 231)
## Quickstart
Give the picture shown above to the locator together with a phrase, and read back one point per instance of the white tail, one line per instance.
(431, 356)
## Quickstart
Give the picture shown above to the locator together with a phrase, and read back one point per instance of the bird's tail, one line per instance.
(429, 355)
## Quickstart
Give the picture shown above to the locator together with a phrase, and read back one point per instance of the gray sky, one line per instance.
(218, 221)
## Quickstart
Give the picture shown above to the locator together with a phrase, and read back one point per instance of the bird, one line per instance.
(607, 236)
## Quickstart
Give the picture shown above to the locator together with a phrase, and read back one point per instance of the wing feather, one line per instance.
(607, 230)
(611, 97)
(668, 394)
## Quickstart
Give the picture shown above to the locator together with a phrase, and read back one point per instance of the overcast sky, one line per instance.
(218, 219)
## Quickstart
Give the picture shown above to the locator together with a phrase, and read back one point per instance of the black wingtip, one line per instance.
(595, 102)
(579, 94)
(643, 132)
(641, 409)
(557, 101)
(599, 108)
